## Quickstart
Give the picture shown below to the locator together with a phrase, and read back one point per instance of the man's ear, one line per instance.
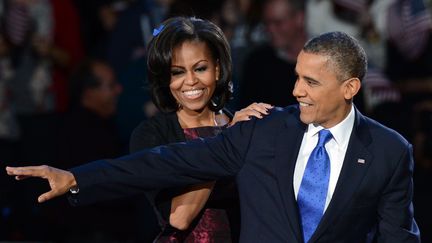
(351, 88)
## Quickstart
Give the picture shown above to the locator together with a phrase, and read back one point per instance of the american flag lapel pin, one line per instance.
(361, 161)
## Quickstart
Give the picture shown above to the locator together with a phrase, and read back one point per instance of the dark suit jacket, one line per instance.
(374, 196)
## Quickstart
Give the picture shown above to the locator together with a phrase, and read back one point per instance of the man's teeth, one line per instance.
(303, 104)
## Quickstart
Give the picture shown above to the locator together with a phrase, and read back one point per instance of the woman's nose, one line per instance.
(191, 79)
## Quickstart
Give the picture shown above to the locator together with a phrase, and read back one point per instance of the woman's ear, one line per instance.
(351, 88)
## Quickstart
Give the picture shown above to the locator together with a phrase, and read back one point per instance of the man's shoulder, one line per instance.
(383, 134)
(287, 111)
(288, 114)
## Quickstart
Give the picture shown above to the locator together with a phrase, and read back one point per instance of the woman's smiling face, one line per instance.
(194, 72)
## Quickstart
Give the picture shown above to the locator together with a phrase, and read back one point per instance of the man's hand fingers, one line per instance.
(35, 171)
(21, 177)
(47, 196)
(59, 180)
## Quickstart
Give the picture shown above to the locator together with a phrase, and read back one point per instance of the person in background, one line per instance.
(88, 130)
(319, 171)
(268, 71)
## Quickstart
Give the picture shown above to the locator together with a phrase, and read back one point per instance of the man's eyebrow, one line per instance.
(311, 79)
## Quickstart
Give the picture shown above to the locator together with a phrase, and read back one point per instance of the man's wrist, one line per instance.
(73, 185)
(74, 189)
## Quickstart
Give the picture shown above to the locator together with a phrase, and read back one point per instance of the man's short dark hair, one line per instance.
(344, 52)
(173, 33)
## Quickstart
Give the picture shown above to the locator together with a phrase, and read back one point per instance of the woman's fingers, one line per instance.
(248, 113)
(257, 109)
(253, 110)
(260, 107)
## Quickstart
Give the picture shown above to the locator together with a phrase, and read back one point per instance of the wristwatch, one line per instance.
(74, 190)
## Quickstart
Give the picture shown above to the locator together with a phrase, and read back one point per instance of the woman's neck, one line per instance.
(189, 119)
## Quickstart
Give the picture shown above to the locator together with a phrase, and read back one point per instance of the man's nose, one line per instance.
(298, 89)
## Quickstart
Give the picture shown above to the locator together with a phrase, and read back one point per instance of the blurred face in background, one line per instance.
(103, 99)
(282, 23)
(4, 48)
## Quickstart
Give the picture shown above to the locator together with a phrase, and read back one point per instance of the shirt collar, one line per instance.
(341, 132)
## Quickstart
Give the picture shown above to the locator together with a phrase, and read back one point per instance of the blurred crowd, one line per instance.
(73, 87)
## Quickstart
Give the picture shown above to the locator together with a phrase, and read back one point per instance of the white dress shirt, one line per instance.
(336, 149)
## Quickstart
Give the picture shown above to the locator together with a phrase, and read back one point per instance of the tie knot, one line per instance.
(324, 136)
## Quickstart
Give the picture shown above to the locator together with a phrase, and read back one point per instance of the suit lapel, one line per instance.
(288, 143)
(355, 166)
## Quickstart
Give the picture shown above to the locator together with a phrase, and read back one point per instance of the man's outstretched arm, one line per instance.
(173, 165)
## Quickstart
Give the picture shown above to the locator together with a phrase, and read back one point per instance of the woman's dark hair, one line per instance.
(172, 33)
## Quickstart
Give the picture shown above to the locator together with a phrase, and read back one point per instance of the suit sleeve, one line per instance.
(396, 220)
(178, 164)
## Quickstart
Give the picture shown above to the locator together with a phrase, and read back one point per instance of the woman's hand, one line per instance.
(59, 180)
(255, 109)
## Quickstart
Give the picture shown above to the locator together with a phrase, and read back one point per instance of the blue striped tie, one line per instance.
(313, 188)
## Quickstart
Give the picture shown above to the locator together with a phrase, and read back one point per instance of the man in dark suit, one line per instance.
(354, 186)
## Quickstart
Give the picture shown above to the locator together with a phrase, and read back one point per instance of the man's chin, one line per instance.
(304, 121)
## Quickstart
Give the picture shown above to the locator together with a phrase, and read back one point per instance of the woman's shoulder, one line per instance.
(156, 122)
(162, 119)
(160, 129)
